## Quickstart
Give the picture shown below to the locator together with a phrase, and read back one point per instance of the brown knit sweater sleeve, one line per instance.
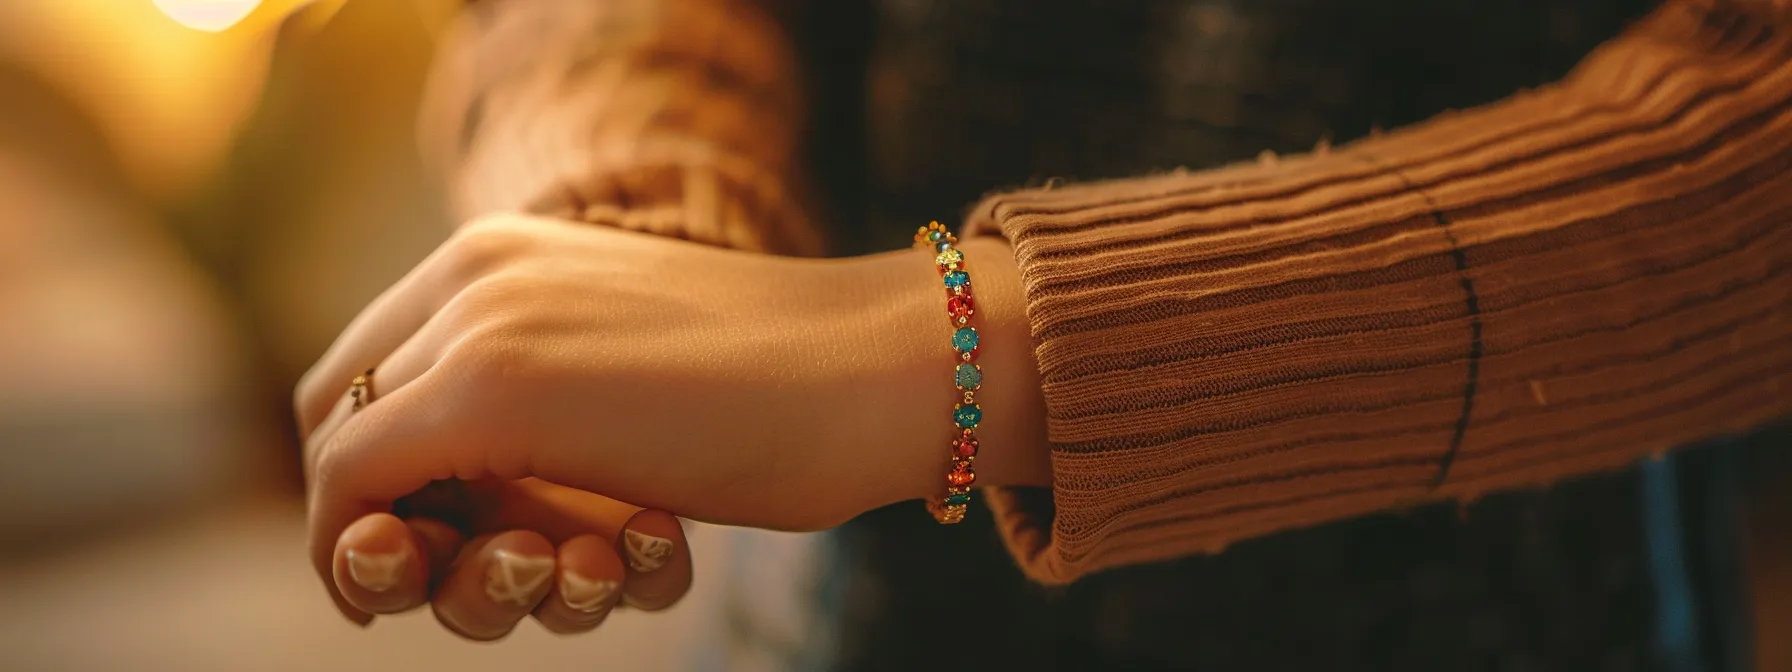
(675, 117)
(1559, 283)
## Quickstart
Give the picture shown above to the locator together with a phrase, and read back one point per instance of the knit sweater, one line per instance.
(1549, 286)
(1555, 284)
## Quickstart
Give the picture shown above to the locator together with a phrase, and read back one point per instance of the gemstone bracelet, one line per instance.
(967, 376)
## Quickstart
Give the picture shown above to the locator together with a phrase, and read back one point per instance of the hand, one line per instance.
(722, 386)
(485, 554)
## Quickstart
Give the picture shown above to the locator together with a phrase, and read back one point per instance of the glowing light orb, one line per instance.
(207, 15)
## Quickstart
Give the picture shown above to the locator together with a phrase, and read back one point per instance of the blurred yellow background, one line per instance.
(191, 213)
(195, 196)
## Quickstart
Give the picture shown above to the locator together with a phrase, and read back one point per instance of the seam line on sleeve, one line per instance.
(1472, 380)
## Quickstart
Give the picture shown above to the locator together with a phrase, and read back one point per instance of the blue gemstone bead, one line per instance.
(968, 378)
(936, 236)
(957, 279)
(942, 246)
(968, 416)
(965, 339)
(956, 500)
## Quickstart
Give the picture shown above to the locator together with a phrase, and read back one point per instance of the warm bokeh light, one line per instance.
(167, 96)
(207, 15)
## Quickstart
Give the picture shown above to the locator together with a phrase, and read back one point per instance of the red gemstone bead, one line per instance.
(958, 305)
(964, 448)
(961, 478)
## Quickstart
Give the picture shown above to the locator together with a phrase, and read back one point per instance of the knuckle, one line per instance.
(322, 461)
(488, 358)
(488, 350)
(312, 398)
(484, 246)
(302, 394)
(484, 301)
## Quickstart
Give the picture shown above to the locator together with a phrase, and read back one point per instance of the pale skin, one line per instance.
(557, 370)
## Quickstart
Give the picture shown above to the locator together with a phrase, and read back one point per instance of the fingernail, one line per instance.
(377, 572)
(514, 578)
(645, 551)
(587, 595)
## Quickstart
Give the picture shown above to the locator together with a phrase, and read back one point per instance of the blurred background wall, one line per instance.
(198, 194)
(195, 196)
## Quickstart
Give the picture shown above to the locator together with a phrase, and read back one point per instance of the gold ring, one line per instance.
(361, 390)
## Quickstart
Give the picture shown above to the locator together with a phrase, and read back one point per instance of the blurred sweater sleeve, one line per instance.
(675, 117)
(1552, 285)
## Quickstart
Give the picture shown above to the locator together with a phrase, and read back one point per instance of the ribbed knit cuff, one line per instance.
(1552, 285)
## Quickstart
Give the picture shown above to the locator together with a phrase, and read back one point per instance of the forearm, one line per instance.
(673, 117)
(1551, 285)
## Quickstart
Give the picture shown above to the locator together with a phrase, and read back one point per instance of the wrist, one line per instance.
(897, 436)
(1014, 449)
